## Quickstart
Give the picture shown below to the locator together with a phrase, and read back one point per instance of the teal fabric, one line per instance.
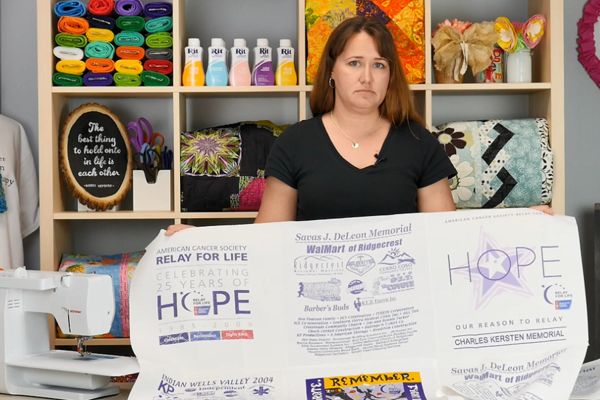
(2, 197)
(99, 49)
(162, 24)
(129, 38)
(500, 163)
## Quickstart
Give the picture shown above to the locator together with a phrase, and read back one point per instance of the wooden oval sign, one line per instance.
(96, 157)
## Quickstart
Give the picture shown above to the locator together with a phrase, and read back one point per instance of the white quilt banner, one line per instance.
(485, 304)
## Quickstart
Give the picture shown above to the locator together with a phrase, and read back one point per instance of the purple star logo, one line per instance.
(495, 270)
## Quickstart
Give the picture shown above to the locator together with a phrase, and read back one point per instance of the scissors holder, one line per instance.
(156, 196)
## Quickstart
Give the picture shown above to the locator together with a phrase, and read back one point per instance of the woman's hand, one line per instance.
(544, 209)
(172, 229)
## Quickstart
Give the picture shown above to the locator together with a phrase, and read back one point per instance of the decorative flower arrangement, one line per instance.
(458, 45)
(517, 36)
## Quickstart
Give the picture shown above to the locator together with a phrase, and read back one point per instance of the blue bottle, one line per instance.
(216, 72)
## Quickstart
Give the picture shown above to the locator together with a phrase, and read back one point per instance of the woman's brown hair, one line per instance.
(398, 105)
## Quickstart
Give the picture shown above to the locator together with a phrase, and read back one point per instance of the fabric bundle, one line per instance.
(500, 163)
(162, 66)
(150, 78)
(215, 176)
(70, 40)
(97, 79)
(129, 66)
(160, 40)
(123, 79)
(100, 65)
(101, 7)
(129, 38)
(73, 25)
(130, 52)
(162, 24)
(135, 24)
(2, 197)
(103, 35)
(68, 53)
(62, 79)
(159, 54)
(69, 9)
(99, 49)
(158, 9)
(129, 7)
(102, 21)
(72, 67)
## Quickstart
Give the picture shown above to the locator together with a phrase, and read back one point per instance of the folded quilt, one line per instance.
(500, 163)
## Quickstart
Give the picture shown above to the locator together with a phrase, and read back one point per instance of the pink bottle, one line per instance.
(239, 73)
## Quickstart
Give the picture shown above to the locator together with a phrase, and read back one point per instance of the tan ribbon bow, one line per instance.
(473, 47)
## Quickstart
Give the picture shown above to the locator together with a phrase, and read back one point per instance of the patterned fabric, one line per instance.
(500, 163)
(2, 197)
(403, 18)
(121, 268)
(223, 167)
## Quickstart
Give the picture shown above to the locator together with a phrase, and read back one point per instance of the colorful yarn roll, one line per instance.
(151, 78)
(122, 79)
(69, 9)
(134, 67)
(135, 24)
(129, 7)
(101, 7)
(70, 40)
(62, 79)
(162, 24)
(103, 35)
(128, 38)
(73, 25)
(159, 54)
(72, 67)
(100, 65)
(159, 40)
(68, 53)
(102, 22)
(158, 9)
(92, 79)
(130, 52)
(161, 66)
(99, 49)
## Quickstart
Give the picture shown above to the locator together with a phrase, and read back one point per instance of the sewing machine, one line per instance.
(82, 305)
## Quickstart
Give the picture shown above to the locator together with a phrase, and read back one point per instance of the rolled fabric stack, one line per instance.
(113, 42)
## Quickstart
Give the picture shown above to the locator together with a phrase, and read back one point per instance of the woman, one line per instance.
(366, 151)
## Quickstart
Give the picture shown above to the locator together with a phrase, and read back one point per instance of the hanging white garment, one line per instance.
(19, 179)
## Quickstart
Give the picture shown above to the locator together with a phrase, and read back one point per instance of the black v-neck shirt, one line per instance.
(328, 186)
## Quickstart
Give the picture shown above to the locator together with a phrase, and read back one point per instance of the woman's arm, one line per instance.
(279, 202)
(435, 197)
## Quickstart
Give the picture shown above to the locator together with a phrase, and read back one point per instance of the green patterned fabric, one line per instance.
(500, 163)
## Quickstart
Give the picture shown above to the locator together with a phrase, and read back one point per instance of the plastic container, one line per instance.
(239, 73)
(262, 73)
(216, 71)
(286, 72)
(193, 72)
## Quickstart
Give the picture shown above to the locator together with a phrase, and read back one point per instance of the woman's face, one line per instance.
(361, 75)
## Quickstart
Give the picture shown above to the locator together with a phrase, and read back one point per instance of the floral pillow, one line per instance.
(500, 163)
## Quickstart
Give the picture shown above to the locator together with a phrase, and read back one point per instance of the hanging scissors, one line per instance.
(142, 136)
(167, 158)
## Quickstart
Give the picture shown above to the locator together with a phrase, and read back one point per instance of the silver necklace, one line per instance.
(355, 142)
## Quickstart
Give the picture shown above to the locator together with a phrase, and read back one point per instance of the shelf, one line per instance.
(485, 88)
(94, 342)
(124, 215)
(114, 91)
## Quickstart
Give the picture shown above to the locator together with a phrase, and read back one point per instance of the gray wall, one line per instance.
(18, 100)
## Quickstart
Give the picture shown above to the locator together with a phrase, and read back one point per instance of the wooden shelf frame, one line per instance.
(546, 99)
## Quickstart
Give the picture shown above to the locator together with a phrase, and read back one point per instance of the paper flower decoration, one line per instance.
(517, 36)
(460, 26)
(533, 30)
(588, 46)
(507, 36)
